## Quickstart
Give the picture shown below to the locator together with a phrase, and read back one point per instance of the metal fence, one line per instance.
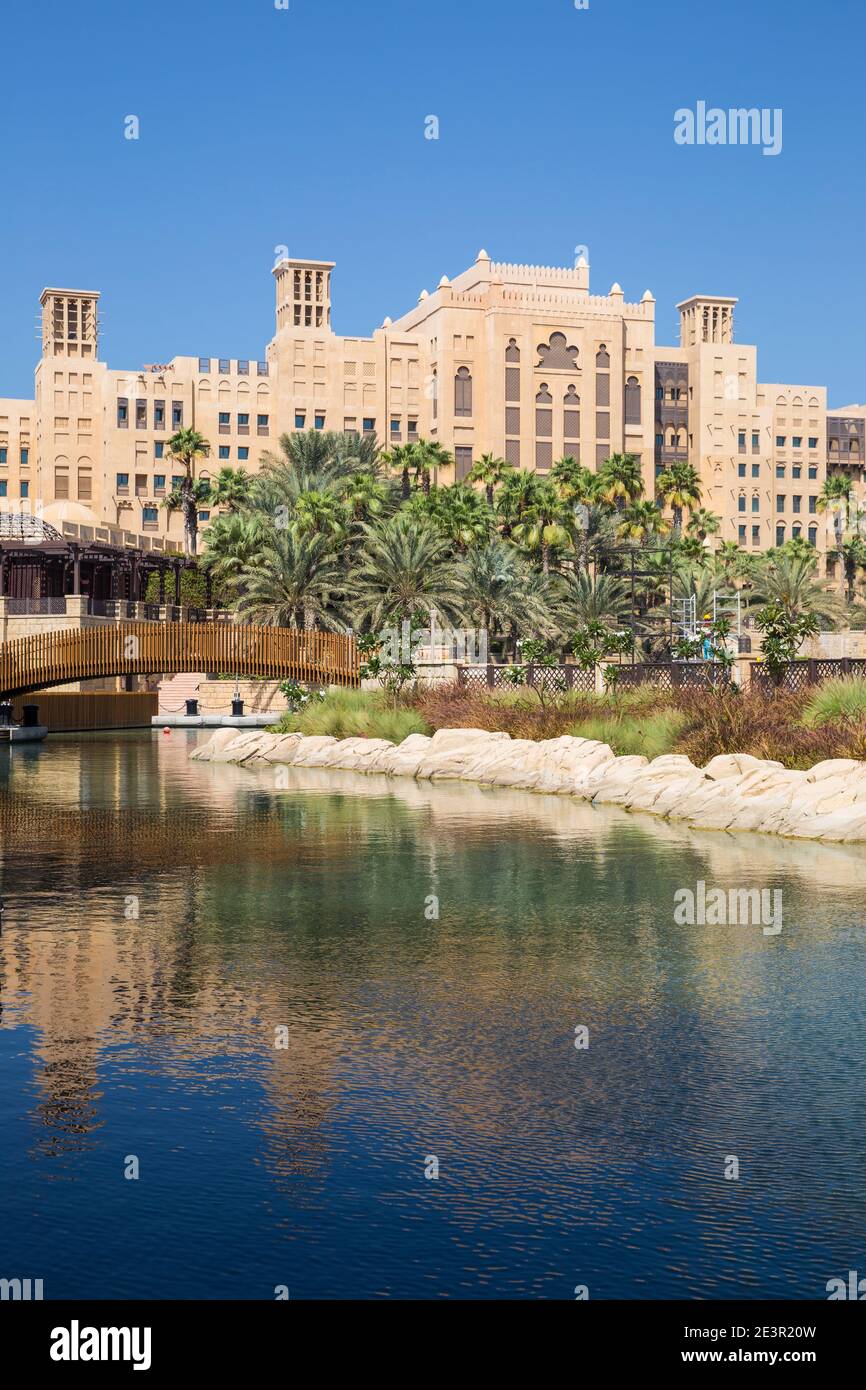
(550, 679)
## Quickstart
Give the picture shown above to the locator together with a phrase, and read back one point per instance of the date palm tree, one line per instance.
(291, 581)
(501, 593)
(183, 450)
(586, 598)
(790, 584)
(404, 570)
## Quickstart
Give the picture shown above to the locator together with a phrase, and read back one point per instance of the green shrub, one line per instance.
(836, 700)
(354, 714)
(650, 735)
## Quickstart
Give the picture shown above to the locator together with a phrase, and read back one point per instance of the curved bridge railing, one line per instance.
(129, 649)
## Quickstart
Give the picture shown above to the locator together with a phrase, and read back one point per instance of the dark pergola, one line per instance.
(37, 562)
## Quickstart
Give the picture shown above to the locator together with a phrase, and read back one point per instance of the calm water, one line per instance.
(304, 908)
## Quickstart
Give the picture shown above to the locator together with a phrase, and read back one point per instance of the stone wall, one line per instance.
(259, 697)
(733, 792)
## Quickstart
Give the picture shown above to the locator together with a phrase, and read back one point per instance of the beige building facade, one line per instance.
(523, 362)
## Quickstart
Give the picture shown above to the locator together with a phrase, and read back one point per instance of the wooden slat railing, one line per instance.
(140, 649)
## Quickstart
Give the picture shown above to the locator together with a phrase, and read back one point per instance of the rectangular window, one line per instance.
(225, 422)
(177, 415)
(797, 441)
(602, 389)
(395, 426)
(176, 482)
(741, 535)
(462, 462)
(741, 470)
(262, 424)
(797, 501)
(225, 365)
(320, 422)
(413, 429)
(299, 420)
(741, 503)
(813, 535)
(262, 368)
(660, 440)
(369, 426)
(756, 470)
(756, 442)
(122, 413)
(204, 516)
(159, 415)
(204, 364)
(756, 502)
(149, 516)
(813, 471)
(813, 443)
(3, 487)
(756, 535)
(243, 367)
(159, 482)
(780, 502)
(123, 482)
(25, 458)
(141, 415)
(796, 470)
(141, 485)
(158, 449)
(780, 441)
(741, 441)
(780, 470)
(4, 455)
(25, 490)
(243, 453)
(813, 505)
(243, 423)
(602, 424)
(780, 535)
(224, 451)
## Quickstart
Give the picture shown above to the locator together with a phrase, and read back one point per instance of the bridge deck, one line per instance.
(128, 649)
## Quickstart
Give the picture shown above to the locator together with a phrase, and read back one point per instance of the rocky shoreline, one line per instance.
(733, 792)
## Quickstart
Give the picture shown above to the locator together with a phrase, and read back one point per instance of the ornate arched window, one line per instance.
(602, 358)
(632, 401)
(463, 392)
(558, 354)
(435, 390)
(512, 352)
(543, 412)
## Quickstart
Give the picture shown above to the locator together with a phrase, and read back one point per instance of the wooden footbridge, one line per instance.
(60, 656)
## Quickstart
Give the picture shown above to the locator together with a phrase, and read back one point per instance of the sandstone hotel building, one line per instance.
(516, 360)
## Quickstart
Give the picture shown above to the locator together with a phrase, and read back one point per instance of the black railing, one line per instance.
(797, 675)
(548, 678)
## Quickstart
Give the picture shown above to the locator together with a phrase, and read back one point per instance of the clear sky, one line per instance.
(305, 127)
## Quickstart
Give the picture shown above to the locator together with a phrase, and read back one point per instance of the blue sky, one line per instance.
(305, 127)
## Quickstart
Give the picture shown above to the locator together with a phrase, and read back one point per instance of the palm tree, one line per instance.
(184, 447)
(517, 494)
(459, 513)
(790, 584)
(853, 555)
(620, 480)
(401, 460)
(290, 581)
(232, 541)
(364, 496)
(230, 488)
(492, 472)
(602, 598)
(543, 525)
(703, 523)
(405, 569)
(835, 496)
(319, 512)
(576, 484)
(501, 593)
(679, 486)
(427, 455)
(641, 521)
